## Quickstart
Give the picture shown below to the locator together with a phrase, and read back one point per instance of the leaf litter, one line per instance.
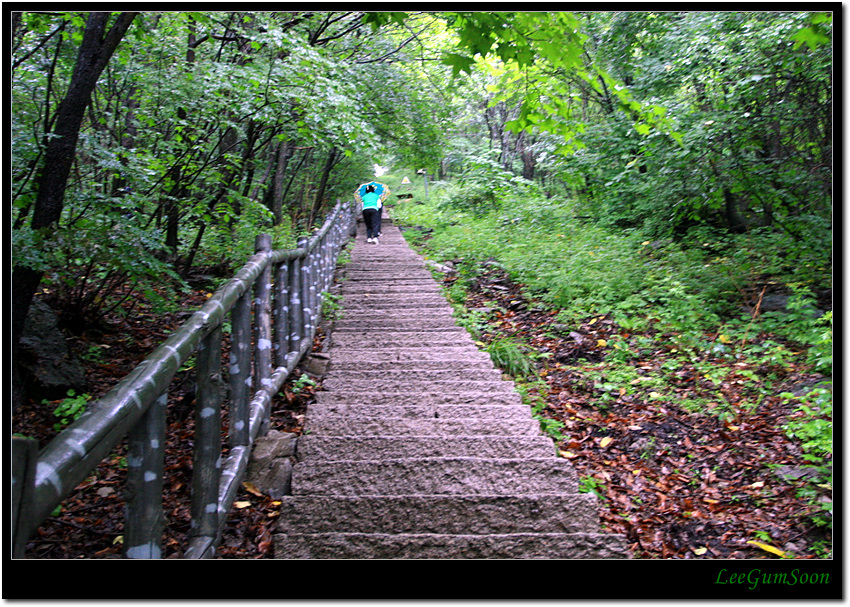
(680, 481)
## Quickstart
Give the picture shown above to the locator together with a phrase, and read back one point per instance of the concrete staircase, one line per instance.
(417, 448)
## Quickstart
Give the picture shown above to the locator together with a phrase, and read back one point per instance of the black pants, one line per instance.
(372, 219)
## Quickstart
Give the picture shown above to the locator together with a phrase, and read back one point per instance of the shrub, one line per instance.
(508, 355)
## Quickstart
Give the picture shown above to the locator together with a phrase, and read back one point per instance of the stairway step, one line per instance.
(504, 413)
(366, 365)
(407, 276)
(440, 514)
(413, 374)
(423, 387)
(391, 306)
(440, 310)
(434, 546)
(411, 269)
(430, 304)
(383, 290)
(418, 398)
(407, 354)
(375, 325)
(435, 476)
(406, 339)
(413, 273)
(315, 447)
(346, 425)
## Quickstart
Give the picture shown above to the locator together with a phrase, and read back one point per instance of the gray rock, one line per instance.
(317, 364)
(270, 468)
(45, 363)
(793, 473)
(442, 268)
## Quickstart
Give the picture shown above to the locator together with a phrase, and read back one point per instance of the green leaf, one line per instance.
(459, 63)
(810, 37)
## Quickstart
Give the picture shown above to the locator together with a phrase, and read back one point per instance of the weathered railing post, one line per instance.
(24, 460)
(308, 290)
(296, 305)
(240, 371)
(263, 325)
(144, 519)
(281, 313)
(206, 460)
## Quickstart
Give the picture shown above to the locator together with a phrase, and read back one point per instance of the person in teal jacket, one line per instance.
(371, 213)
(372, 190)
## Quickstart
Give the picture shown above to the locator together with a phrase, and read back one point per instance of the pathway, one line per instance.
(416, 447)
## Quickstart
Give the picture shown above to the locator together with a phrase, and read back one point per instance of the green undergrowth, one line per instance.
(685, 307)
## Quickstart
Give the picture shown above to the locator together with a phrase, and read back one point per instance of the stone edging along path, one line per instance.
(417, 448)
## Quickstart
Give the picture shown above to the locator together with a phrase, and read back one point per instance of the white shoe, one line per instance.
(375, 240)
(368, 240)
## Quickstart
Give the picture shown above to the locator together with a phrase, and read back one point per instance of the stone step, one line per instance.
(418, 398)
(402, 312)
(461, 353)
(402, 333)
(353, 373)
(443, 546)
(346, 425)
(356, 288)
(388, 255)
(408, 276)
(371, 268)
(338, 366)
(409, 339)
(367, 316)
(379, 324)
(435, 476)
(362, 299)
(440, 514)
(499, 446)
(426, 303)
(503, 413)
(389, 386)
(393, 301)
(367, 311)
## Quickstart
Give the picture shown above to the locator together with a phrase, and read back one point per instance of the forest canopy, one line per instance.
(145, 145)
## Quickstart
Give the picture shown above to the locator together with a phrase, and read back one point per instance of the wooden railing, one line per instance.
(270, 333)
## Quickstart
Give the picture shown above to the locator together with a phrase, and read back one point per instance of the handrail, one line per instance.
(288, 288)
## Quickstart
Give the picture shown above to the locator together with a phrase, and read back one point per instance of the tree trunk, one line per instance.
(96, 48)
(320, 194)
(284, 152)
(527, 156)
(735, 221)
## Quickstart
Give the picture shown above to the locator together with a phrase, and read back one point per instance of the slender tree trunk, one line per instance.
(97, 46)
(284, 152)
(308, 153)
(320, 194)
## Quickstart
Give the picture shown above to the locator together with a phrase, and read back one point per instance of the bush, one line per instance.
(508, 355)
(96, 262)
